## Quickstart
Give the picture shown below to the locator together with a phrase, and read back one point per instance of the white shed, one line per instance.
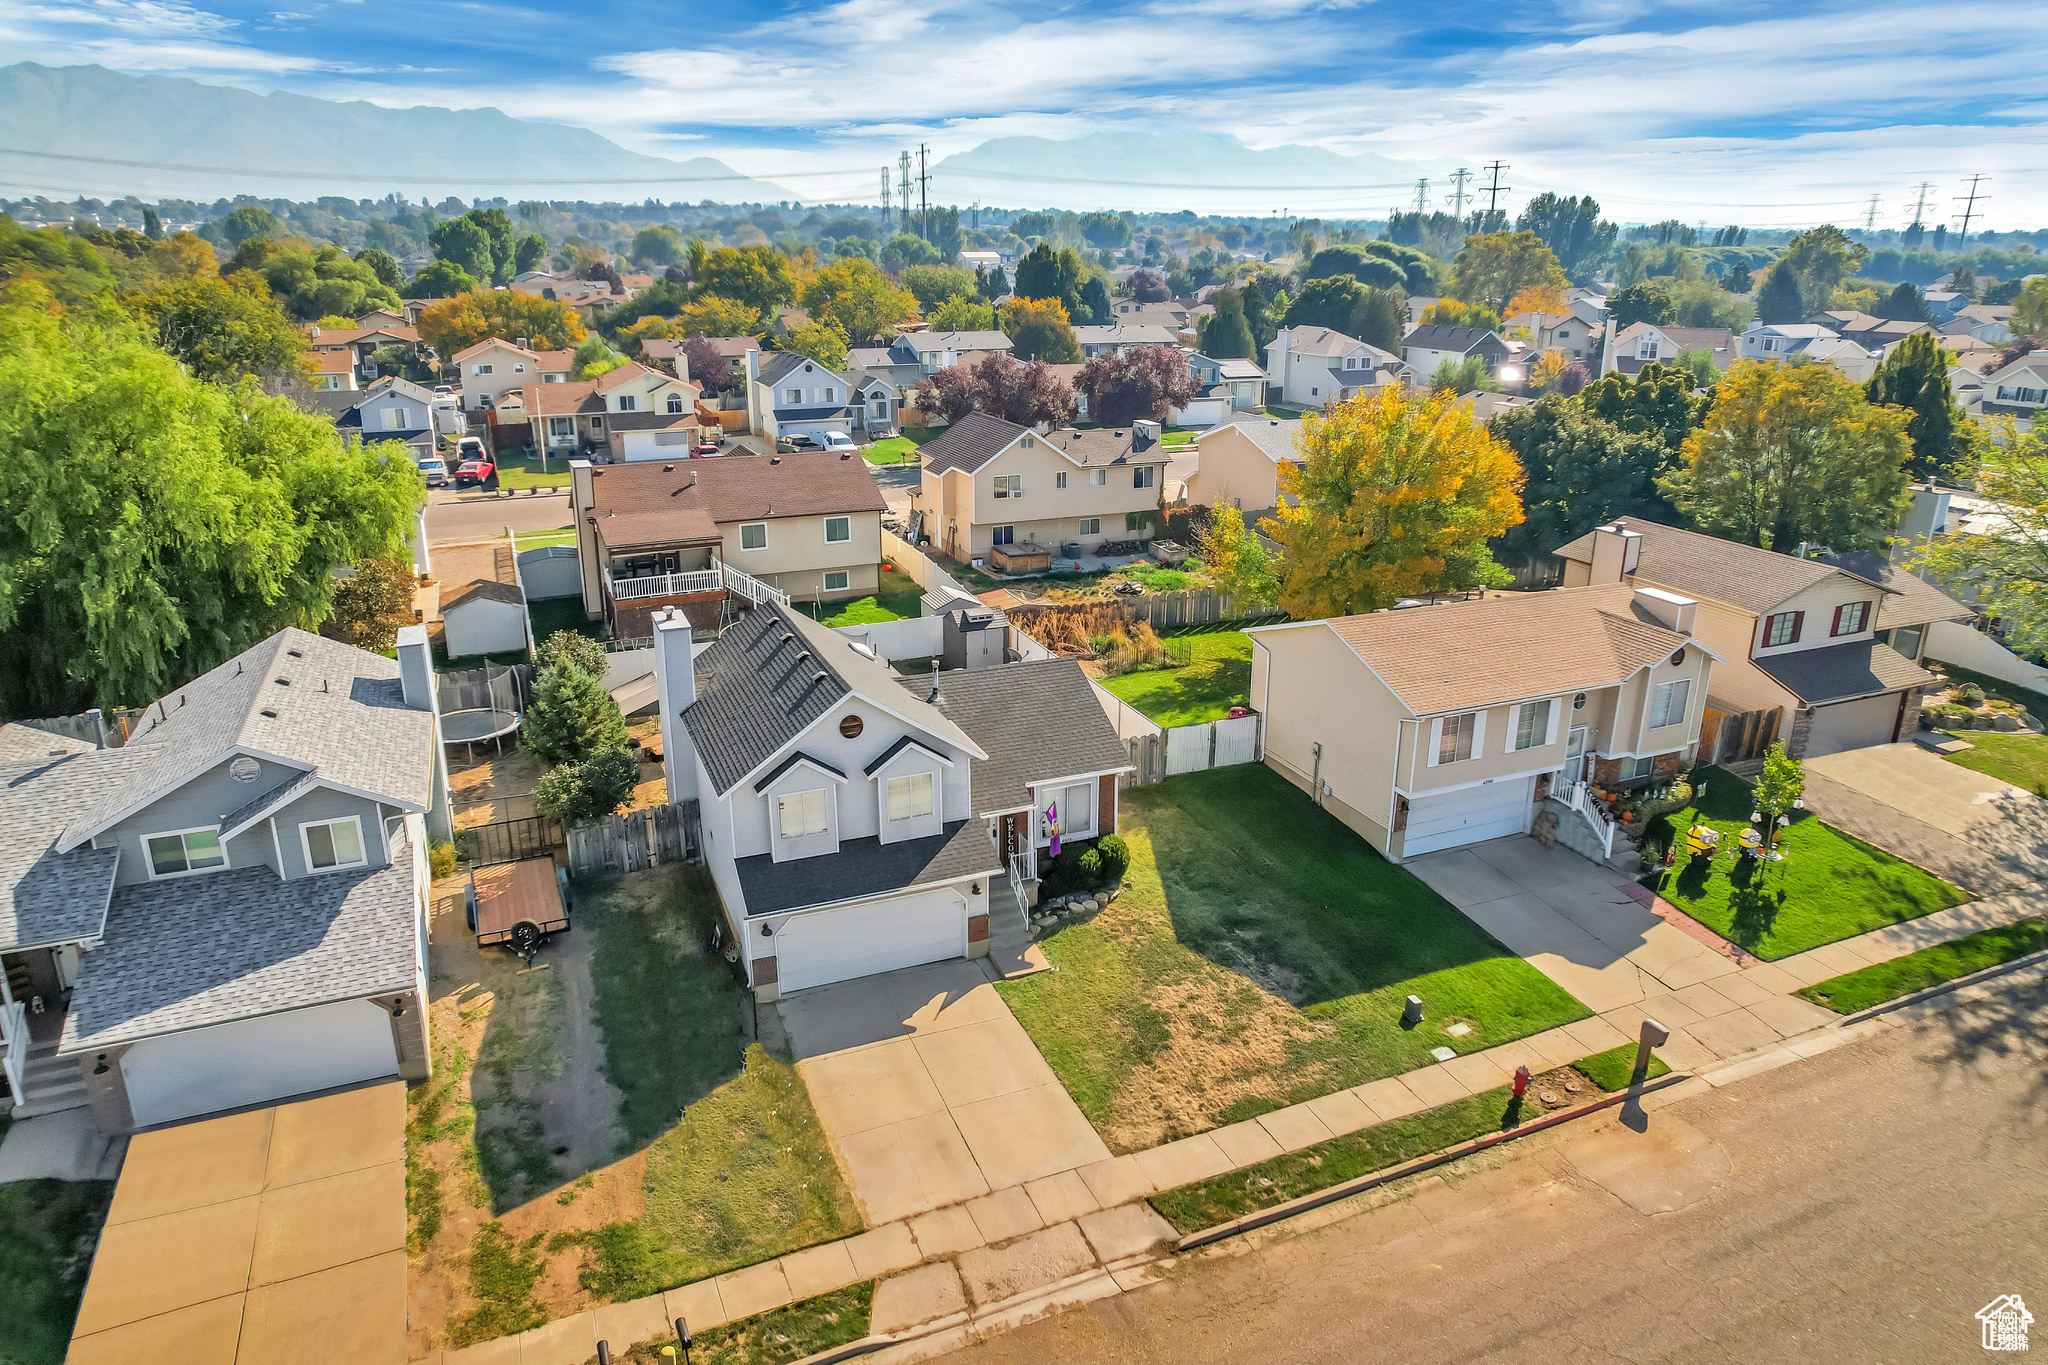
(484, 617)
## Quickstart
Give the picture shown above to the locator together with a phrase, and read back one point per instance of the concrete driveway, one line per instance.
(1963, 825)
(930, 1090)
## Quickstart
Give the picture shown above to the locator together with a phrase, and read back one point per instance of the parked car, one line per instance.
(703, 448)
(471, 448)
(789, 445)
(839, 440)
(436, 471)
(444, 390)
(480, 473)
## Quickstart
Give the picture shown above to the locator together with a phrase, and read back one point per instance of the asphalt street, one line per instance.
(1862, 1205)
(455, 517)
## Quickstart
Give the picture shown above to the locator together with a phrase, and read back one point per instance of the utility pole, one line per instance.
(903, 191)
(1870, 215)
(1495, 190)
(1970, 207)
(924, 202)
(1422, 195)
(1458, 179)
(887, 197)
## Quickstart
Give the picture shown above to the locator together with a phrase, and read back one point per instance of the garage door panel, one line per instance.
(861, 940)
(257, 1060)
(1469, 816)
(1852, 725)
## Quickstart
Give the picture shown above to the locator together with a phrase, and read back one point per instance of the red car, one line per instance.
(481, 473)
(703, 448)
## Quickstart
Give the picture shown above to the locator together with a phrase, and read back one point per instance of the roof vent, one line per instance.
(668, 469)
(281, 682)
(293, 653)
(820, 676)
(774, 459)
(267, 714)
(845, 454)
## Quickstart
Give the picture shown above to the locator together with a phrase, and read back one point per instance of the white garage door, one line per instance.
(257, 1060)
(1852, 725)
(1468, 816)
(838, 945)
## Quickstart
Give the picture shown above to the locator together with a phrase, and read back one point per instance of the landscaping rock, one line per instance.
(2005, 720)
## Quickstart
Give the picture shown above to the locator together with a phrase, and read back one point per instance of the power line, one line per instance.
(1970, 207)
(1495, 190)
(1920, 207)
(903, 189)
(886, 196)
(1458, 179)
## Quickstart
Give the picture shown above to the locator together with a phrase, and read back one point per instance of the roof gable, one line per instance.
(1704, 566)
(970, 443)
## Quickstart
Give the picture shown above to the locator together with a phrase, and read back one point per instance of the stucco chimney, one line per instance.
(1615, 549)
(416, 667)
(675, 685)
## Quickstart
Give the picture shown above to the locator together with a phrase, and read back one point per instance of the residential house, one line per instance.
(2018, 390)
(1418, 304)
(1483, 405)
(1117, 337)
(981, 260)
(1871, 333)
(495, 367)
(858, 822)
(1644, 343)
(586, 416)
(792, 395)
(1311, 367)
(232, 906)
(1430, 344)
(1570, 335)
(1809, 341)
(333, 371)
(1987, 322)
(390, 409)
(1433, 727)
(1803, 641)
(1944, 304)
(913, 355)
(361, 343)
(1238, 464)
(989, 484)
(384, 317)
(715, 536)
(1242, 380)
(591, 299)
(1171, 317)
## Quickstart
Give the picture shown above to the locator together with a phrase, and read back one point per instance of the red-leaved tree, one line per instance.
(1001, 385)
(1148, 286)
(1143, 381)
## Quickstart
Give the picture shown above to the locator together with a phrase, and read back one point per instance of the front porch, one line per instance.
(34, 994)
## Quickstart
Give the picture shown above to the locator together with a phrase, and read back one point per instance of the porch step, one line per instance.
(49, 1083)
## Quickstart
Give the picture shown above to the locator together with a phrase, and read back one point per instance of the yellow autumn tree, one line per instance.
(1393, 496)
(456, 324)
(1545, 298)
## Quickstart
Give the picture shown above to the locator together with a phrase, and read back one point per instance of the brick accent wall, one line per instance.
(1802, 726)
(1667, 764)
(764, 971)
(1606, 772)
(977, 928)
(1105, 806)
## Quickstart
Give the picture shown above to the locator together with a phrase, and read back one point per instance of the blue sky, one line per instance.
(1768, 114)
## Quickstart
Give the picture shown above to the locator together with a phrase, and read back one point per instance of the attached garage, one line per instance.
(860, 940)
(257, 1060)
(1852, 725)
(1470, 815)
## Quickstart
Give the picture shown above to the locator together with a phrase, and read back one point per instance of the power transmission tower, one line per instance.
(924, 202)
(903, 190)
(887, 197)
(1870, 215)
(1970, 208)
(1458, 179)
(1422, 195)
(1920, 207)
(1495, 190)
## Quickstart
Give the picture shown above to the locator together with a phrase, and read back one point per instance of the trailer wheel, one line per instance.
(562, 884)
(525, 938)
(469, 906)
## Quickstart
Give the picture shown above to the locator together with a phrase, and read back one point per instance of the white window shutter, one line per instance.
(1436, 739)
(1550, 734)
(1479, 732)
(1514, 727)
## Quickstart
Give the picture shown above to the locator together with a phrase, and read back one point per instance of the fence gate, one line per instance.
(1212, 744)
(635, 842)
(508, 840)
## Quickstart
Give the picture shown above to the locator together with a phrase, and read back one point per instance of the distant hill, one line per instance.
(281, 145)
(1166, 171)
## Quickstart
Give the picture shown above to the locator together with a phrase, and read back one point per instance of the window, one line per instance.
(551, 379)
(479, 369)
(1350, 362)
(1783, 629)
(792, 396)
(629, 402)
(1009, 485)
(1646, 348)
(1850, 618)
(395, 419)
(333, 843)
(561, 426)
(838, 530)
(1906, 640)
(1091, 526)
(675, 403)
(829, 395)
(1145, 476)
(1059, 480)
(910, 797)
(801, 813)
(1532, 724)
(1454, 739)
(596, 425)
(1098, 478)
(754, 536)
(192, 850)
(1668, 702)
(1632, 768)
(1003, 535)
(836, 580)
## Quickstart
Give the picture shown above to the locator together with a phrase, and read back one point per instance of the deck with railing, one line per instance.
(718, 578)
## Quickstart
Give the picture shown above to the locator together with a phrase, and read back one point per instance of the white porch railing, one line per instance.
(14, 1047)
(724, 576)
(752, 588)
(1017, 886)
(1582, 800)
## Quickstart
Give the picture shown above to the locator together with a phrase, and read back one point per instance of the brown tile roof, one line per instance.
(1710, 567)
(649, 502)
(1464, 654)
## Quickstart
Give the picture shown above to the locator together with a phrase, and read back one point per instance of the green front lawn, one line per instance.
(2021, 759)
(891, 450)
(1258, 957)
(1829, 886)
(48, 1229)
(1867, 986)
(519, 470)
(1218, 677)
(897, 598)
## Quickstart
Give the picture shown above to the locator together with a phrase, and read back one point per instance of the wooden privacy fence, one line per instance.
(635, 842)
(508, 840)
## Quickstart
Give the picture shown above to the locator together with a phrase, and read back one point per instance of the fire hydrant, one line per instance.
(1521, 1081)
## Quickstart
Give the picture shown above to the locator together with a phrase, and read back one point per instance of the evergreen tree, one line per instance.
(572, 716)
(1225, 333)
(1903, 304)
(1780, 300)
(1739, 280)
(1915, 377)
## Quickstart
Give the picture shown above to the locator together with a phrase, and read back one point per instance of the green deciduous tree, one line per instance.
(1821, 258)
(372, 605)
(457, 323)
(312, 282)
(2005, 565)
(1583, 471)
(855, 295)
(1050, 272)
(572, 716)
(223, 329)
(250, 220)
(1225, 335)
(463, 244)
(1792, 453)
(657, 244)
(1238, 563)
(1458, 313)
(439, 280)
(758, 276)
(1658, 401)
(1394, 495)
(1646, 302)
(962, 314)
(1915, 377)
(157, 524)
(932, 285)
(1572, 228)
(1039, 330)
(821, 339)
(383, 265)
(1781, 299)
(1495, 266)
(1903, 304)
(907, 249)
(598, 786)
(2030, 309)
(595, 356)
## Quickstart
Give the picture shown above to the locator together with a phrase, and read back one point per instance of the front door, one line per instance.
(1575, 755)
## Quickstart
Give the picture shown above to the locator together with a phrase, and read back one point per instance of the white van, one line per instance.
(436, 471)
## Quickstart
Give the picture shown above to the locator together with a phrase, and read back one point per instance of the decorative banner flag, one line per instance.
(1052, 820)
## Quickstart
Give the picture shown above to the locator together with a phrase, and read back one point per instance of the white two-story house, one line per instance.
(1432, 727)
(232, 906)
(858, 822)
(1820, 657)
(1312, 367)
(793, 395)
(495, 367)
(596, 416)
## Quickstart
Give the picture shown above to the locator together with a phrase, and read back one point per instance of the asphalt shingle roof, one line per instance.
(1843, 672)
(1270, 434)
(1038, 721)
(25, 743)
(47, 896)
(1706, 566)
(1437, 336)
(648, 502)
(1909, 600)
(969, 443)
(243, 943)
(867, 867)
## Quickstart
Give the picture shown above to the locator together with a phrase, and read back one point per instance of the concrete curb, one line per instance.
(1358, 1185)
(1942, 988)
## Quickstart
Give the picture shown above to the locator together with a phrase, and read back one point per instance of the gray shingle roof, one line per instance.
(926, 342)
(969, 443)
(867, 867)
(1710, 567)
(1038, 721)
(1437, 336)
(1270, 434)
(759, 686)
(242, 943)
(1843, 672)
(303, 699)
(1909, 601)
(47, 896)
(25, 743)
